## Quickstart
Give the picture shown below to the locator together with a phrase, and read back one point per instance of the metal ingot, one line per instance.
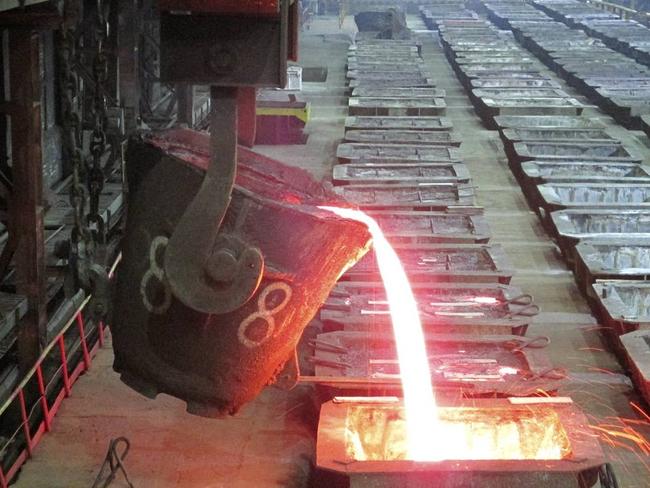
(218, 362)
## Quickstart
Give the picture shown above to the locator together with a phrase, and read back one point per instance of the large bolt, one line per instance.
(222, 266)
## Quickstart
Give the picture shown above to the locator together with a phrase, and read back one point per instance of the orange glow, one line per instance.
(486, 300)
(421, 412)
(377, 433)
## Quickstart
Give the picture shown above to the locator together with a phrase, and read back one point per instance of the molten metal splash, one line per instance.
(422, 419)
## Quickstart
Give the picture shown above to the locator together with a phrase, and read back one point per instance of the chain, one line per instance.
(72, 140)
(95, 174)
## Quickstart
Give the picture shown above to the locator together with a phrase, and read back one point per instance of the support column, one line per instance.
(129, 31)
(27, 200)
(185, 98)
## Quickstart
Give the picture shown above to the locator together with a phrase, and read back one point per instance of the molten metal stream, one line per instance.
(419, 400)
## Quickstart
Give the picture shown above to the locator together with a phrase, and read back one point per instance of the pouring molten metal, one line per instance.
(378, 433)
(419, 400)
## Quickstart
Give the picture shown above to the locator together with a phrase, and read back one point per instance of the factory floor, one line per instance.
(271, 442)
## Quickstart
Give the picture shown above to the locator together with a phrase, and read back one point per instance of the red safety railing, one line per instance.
(34, 404)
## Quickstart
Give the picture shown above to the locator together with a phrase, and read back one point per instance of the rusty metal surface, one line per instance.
(585, 459)
(585, 63)
(395, 107)
(623, 306)
(441, 262)
(574, 225)
(431, 227)
(477, 68)
(556, 196)
(592, 136)
(377, 55)
(531, 106)
(350, 361)
(466, 58)
(539, 171)
(257, 50)
(388, 68)
(384, 23)
(508, 84)
(424, 196)
(357, 152)
(548, 122)
(364, 51)
(389, 92)
(366, 62)
(491, 49)
(377, 80)
(442, 138)
(218, 362)
(445, 308)
(611, 260)
(399, 173)
(520, 93)
(373, 59)
(637, 350)
(405, 75)
(575, 151)
(398, 123)
(500, 74)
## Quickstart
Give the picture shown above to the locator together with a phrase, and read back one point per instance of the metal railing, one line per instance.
(36, 400)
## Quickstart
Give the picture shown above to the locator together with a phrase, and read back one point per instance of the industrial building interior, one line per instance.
(325, 243)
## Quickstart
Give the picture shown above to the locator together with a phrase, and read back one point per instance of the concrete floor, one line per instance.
(271, 443)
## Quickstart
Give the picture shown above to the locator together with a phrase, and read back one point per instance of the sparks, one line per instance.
(422, 416)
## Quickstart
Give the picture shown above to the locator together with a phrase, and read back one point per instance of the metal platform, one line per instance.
(623, 306)
(410, 93)
(347, 361)
(438, 263)
(420, 196)
(368, 173)
(519, 93)
(380, 80)
(464, 226)
(430, 138)
(397, 107)
(540, 172)
(524, 151)
(405, 76)
(637, 349)
(601, 259)
(492, 107)
(398, 123)
(357, 152)
(558, 196)
(547, 122)
(464, 59)
(508, 84)
(575, 225)
(592, 136)
(399, 68)
(458, 308)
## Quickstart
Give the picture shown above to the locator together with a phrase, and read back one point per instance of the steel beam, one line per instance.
(26, 205)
